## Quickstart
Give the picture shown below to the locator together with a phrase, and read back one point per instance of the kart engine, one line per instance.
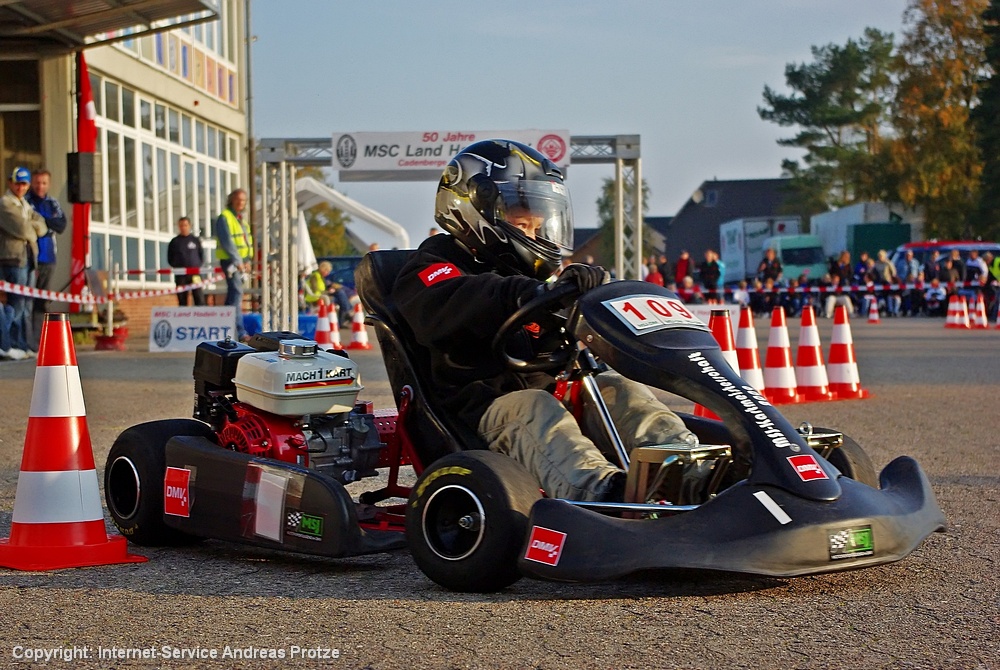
(283, 398)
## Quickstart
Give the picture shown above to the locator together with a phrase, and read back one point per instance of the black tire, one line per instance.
(852, 461)
(133, 481)
(467, 519)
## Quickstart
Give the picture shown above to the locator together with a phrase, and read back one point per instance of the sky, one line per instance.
(687, 76)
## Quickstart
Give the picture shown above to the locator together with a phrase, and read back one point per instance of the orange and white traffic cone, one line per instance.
(333, 318)
(978, 316)
(958, 313)
(58, 521)
(359, 335)
(322, 336)
(873, 310)
(810, 373)
(845, 383)
(722, 329)
(747, 353)
(779, 375)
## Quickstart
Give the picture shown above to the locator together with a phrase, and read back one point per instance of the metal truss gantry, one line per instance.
(278, 159)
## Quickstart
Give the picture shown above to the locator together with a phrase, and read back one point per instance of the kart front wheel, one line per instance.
(133, 480)
(467, 518)
(854, 462)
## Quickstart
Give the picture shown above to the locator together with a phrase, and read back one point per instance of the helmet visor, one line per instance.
(538, 209)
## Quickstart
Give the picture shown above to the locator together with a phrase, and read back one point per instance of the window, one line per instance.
(98, 251)
(111, 109)
(151, 262)
(186, 130)
(114, 180)
(174, 128)
(202, 195)
(115, 247)
(185, 68)
(222, 145)
(128, 107)
(161, 121)
(172, 53)
(232, 149)
(148, 189)
(189, 207)
(20, 82)
(158, 41)
(97, 209)
(146, 115)
(199, 137)
(162, 195)
(131, 199)
(132, 260)
(175, 185)
(95, 90)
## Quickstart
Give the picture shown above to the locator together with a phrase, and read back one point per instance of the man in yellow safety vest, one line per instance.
(234, 251)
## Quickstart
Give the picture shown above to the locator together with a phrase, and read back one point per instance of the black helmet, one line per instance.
(508, 204)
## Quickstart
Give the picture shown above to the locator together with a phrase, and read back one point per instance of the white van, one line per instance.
(799, 255)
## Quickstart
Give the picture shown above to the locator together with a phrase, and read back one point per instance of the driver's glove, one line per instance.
(583, 276)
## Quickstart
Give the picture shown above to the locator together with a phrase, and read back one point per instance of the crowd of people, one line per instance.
(914, 288)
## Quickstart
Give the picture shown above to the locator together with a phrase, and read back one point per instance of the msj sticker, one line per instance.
(545, 545)
(851, 543)
(176, 492)
(807, 467)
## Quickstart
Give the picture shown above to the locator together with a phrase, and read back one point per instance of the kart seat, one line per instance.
(434, 433)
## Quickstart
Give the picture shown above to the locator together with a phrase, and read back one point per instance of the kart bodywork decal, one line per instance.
(545, 545)
(650, 313)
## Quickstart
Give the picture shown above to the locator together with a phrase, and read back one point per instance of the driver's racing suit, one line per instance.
(455, 305)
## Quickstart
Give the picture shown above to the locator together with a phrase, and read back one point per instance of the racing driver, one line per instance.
(507, 211)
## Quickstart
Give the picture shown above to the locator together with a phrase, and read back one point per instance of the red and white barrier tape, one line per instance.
(175, 271)
(850, 288)
(55, 296)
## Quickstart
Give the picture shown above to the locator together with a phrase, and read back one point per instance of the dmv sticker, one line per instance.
(649, 313)
(545, 545)
(176, 492)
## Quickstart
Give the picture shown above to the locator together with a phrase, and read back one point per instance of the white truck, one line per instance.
(866, 226)
(741, 242)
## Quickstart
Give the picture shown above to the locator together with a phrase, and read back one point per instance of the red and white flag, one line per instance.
(86, 142)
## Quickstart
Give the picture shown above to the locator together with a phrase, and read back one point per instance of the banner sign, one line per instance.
(432, 149)
(184, 328)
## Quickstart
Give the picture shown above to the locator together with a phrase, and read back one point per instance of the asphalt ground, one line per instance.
(935, 396)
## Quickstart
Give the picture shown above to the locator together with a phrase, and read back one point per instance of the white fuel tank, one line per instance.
(298, 379)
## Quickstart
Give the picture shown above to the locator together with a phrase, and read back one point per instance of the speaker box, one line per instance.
(85, 182)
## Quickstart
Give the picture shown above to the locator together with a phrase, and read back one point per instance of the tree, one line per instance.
(934, 157)
(838, 102)
(606, 215)
(327, 224)
(986, 221)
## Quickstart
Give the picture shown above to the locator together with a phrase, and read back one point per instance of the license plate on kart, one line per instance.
(650, 313)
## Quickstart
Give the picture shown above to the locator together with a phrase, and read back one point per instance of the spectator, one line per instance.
(184, 252)
(20, 226)
(373, 246)
(682, 268)
(770, 267)
(916, 297)
(861, 269)
(758, 303)
(792, 299)
(314, 287)
(235, 251)
(907, 267)
(771, 296)
(836, 297)
(433, 231)
(885, 273)
(689, 292)
(741, 296)
(711, 275)
(654, 276)
(664, 266)
(958, 264)
(48, 207)
(6, 320)
(975, 267)
(932, 267)
(992, 290)
(950, 275)
(934, 298)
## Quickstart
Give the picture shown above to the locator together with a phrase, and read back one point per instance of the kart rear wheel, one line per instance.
(467, 519)
(133, 481)
(852, 461)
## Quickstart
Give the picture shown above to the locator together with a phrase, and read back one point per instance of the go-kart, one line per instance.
(278, 434)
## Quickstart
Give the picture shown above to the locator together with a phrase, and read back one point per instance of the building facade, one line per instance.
(172, 134)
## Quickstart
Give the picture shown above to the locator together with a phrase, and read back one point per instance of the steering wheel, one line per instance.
(548, 302)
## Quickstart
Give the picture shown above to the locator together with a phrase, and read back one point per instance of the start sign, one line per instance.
(184, 328)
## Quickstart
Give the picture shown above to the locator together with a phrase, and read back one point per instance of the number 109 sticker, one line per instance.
(649, 313)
